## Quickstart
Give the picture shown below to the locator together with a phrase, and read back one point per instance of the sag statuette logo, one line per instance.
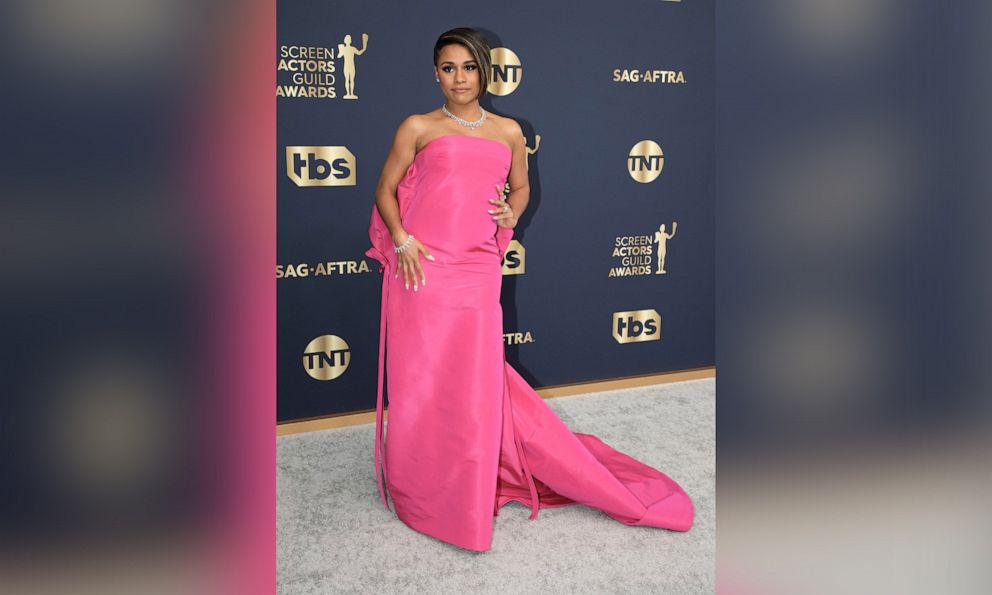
(530, 151)
(506, 73)
(636, 326)
(326, 357)
(638, 253)
(514, 258)
(320, 166)
(311, 72)
(645, 161)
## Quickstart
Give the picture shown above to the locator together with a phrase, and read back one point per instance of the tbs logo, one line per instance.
(636, 326)
(514, 258)
(320, 166)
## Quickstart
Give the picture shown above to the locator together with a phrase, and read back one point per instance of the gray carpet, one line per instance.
(334, 535)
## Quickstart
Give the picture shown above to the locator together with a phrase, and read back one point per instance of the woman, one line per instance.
(467, 434)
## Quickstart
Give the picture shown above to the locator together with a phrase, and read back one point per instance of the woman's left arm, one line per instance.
(519, 182)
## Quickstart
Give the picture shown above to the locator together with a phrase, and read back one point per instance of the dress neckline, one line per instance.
(430, 142)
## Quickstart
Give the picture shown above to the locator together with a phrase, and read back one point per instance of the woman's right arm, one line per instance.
(400, 157)
(397, 162)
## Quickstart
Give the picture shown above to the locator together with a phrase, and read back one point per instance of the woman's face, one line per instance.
(459, 74)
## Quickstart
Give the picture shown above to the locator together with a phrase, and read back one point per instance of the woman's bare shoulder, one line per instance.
(412, 129)
(509, 128)
(415, 122)
(420, 125)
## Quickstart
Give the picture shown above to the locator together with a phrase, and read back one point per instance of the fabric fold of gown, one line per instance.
(466, 433)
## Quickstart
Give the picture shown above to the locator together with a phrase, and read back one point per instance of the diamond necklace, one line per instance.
(472, 124)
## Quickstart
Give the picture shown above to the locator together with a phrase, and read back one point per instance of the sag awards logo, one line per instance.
(320, 166)
(645, 161)
(636, 326)
(642, 255)
(329, 268)
(506, 73)
(514, 258)
(326, 357)
(668, 77)
(312, 72)
(530, 151)
(517, 338)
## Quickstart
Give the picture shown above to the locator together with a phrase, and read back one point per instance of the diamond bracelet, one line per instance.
(404, 245)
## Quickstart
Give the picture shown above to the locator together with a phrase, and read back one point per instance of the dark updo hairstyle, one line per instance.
(476, 44)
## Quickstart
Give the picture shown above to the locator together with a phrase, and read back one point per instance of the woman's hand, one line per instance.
(408, 261)
(503, 213)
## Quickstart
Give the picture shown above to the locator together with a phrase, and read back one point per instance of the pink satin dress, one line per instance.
(466, 433)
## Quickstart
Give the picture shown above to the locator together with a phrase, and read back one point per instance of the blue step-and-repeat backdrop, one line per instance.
(611, 272)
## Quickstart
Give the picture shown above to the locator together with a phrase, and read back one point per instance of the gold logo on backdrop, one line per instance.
(506, 73)
(662, 240)
(645, 161)
(326, 357)
(514, 258)
(537, 145)
(320, 166)
(638, 253)
(311, 72)
(636, 326)
(347, 53)
(671, 77)
(517, 338)
(331, 268)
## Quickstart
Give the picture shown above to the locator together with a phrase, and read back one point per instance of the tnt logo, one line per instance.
(506, 73)
(636, 326)
(645, 161)
(320, 166)
(326, 357)
(514, 258)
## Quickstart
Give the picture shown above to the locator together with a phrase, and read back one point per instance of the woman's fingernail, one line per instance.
(431, 257)
(415, 287)
(406, 286)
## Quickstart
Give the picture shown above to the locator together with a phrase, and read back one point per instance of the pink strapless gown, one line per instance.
(467, 434)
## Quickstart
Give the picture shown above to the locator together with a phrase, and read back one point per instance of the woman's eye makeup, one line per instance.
(468, 67)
